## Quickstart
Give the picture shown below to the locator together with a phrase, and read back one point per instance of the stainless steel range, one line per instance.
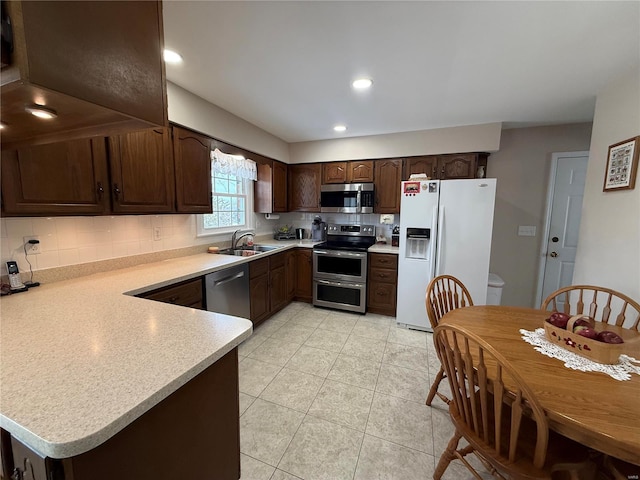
(340, 267)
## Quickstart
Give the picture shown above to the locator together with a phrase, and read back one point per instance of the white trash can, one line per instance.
(494, 291)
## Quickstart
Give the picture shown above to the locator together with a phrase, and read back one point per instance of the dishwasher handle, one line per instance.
(231, 278)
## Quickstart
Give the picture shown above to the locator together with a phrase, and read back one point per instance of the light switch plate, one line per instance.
(526, 231)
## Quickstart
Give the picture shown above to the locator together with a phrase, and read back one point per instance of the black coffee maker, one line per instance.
(318, 229)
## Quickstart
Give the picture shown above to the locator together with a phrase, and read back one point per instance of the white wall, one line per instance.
(522, 168)
(609, 249)
(471, 138)
(191, 111)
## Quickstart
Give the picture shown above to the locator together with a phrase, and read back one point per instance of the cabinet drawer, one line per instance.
(384, 275)
(277, 260)
(258, 267)
(187, 294)
(383, 260)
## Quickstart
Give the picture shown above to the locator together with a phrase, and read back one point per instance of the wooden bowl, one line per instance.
(607, 353)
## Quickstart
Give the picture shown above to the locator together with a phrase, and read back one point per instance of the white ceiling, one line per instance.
(287, 67)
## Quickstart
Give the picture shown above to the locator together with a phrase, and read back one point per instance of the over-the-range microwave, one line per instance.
(347, 198)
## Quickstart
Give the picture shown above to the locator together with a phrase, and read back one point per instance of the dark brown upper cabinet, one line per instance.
(142, 172)
(304, 187)
(334, 172)
(64, 178)
(360, 171)
(388, 175)
(446, 167)
(97, 64)
(192, 160)
(356, 171)
(270, 190)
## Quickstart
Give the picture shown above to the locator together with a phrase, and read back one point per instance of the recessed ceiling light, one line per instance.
(41, 111)
(339, 128)
(362, 83)
(171, 57)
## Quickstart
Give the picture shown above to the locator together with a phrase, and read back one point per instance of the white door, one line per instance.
(559, 250)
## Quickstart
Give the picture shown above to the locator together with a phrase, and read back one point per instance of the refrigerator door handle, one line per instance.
(440, 246)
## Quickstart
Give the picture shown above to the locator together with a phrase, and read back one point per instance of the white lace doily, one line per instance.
(621, 371)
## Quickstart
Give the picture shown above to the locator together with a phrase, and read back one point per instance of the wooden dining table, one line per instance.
(589, 407)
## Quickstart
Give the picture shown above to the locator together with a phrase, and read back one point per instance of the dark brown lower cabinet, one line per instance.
(195, 429)
(186, 294)
(267, 286)
(304, 275)
(259, 289)
(383, 283)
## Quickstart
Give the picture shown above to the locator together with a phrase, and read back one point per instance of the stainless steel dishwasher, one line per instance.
(228, 291)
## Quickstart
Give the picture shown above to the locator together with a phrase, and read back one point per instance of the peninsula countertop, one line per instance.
(81, 359)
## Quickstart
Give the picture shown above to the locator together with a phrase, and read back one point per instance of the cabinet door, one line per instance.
(304, 188)
(388, 175)
(192, 159)
(381, 298)
(290, 266)
(427, 164)
(457, 166)
(263, 187)
(334, 172)
(64, 178)
(304, 275)
(142, 172)
(361, 171)
(278, 286)
(279, 187)
(259, 297)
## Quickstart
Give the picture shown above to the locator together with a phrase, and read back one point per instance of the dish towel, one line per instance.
(621, 371)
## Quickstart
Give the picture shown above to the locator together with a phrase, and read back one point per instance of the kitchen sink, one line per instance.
(247, 251)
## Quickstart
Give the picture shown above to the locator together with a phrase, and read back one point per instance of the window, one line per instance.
(232, 195)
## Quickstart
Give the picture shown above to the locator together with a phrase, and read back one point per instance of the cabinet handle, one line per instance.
(116, 190)
(435, 171)
(100, 190)
(174, 299)
(442, 172)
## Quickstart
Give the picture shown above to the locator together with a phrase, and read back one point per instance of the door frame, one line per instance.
(551, 186)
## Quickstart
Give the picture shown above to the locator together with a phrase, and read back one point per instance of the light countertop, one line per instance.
(81, 359)
(384, 248)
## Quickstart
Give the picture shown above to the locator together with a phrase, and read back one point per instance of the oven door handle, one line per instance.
(340, 284)
(341, 254)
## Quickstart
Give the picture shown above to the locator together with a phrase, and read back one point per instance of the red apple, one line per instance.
(585, 331)
(559, 319)
(607, 336)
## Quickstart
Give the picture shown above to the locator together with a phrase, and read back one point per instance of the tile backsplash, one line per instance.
(75, 240)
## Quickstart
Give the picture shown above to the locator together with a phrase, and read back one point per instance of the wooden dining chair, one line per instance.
(600, 303)
(498, 414)
(444, 293)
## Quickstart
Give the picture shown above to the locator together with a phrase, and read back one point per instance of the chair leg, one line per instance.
(448, 455)
(434, 387)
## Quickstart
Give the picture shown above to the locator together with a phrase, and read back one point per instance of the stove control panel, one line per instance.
(351, 230)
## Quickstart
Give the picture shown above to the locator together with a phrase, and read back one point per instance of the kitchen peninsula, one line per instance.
(96, 383)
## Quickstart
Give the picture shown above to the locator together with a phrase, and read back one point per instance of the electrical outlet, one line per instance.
(157, 233)
(32, 248)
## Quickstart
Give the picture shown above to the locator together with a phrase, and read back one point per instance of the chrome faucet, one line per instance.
(235, 238)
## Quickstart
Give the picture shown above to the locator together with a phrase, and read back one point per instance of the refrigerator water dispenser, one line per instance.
(418, 243)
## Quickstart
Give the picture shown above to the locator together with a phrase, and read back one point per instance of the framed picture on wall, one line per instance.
(622, 165)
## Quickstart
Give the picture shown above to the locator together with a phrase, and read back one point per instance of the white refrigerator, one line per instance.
(445, 229)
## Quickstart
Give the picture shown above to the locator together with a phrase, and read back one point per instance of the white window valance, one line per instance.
(233, 164)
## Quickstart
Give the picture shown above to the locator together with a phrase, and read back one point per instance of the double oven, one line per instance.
(340, 267)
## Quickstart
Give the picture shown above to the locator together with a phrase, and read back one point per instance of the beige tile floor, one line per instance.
(327, 395)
